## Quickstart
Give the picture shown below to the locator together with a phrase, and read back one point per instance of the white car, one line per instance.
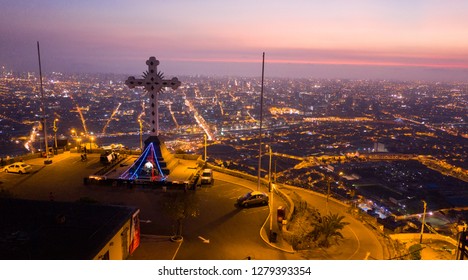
(18, 167)
(207, 177)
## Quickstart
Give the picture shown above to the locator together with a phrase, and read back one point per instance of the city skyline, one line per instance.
(383, 149)
(405, 40)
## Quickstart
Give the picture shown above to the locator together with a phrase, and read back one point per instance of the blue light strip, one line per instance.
(141, 160)
(157, 163)
(126, 173)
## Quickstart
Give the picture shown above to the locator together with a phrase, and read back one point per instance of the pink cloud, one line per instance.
(329, 57)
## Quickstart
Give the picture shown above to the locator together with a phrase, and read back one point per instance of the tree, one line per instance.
(180, 205)
(326, 228)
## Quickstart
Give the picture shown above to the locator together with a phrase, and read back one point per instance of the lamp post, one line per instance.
(141, 134)
(340, 181)
(269, 169)
(74, 137)
(73, 133)
(204, 137)
(91, 144)
(78, 144)
(423, 221)
(55, 128)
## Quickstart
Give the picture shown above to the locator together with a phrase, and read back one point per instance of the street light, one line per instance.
(423, 221)
(204, 137)
(91, 144)
(340, 181)
(269, 168)
(141, 134)
(78, 145)
(55, 132)
(74, 137)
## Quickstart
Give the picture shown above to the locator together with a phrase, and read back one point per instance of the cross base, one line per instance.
(154, 164)
(164, 157)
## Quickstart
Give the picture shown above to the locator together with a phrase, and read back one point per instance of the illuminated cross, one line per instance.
(154, 82)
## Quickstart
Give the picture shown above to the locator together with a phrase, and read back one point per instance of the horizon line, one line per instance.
(362, 63)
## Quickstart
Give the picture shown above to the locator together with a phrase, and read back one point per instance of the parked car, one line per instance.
(18, 167)
(253, 198)
(207, 177)
(108, 156)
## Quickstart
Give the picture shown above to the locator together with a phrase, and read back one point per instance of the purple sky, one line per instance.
(359, 39)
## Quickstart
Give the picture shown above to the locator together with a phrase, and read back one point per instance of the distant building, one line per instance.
(379, 148)
(50, 230)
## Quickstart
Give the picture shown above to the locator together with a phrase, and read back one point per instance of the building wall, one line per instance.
(115, 249)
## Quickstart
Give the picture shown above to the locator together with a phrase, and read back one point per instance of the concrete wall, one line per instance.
(4, 161)
(426, 236)
(187, 156)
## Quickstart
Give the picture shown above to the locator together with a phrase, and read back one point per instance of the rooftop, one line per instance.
(57, 230)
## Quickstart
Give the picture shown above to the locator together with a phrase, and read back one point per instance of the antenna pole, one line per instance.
(261, 122)
(44, 122)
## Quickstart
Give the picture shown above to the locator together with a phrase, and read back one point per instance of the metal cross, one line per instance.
(154, 82)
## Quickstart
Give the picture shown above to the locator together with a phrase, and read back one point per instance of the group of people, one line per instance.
(8, 160)
(5, 161)
(84, 156)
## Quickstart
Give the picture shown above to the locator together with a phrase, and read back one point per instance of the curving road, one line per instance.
(360, 241)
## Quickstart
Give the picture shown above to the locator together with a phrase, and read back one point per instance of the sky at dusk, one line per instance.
(358, 39)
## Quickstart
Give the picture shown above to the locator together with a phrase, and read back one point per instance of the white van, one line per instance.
(207, 177)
